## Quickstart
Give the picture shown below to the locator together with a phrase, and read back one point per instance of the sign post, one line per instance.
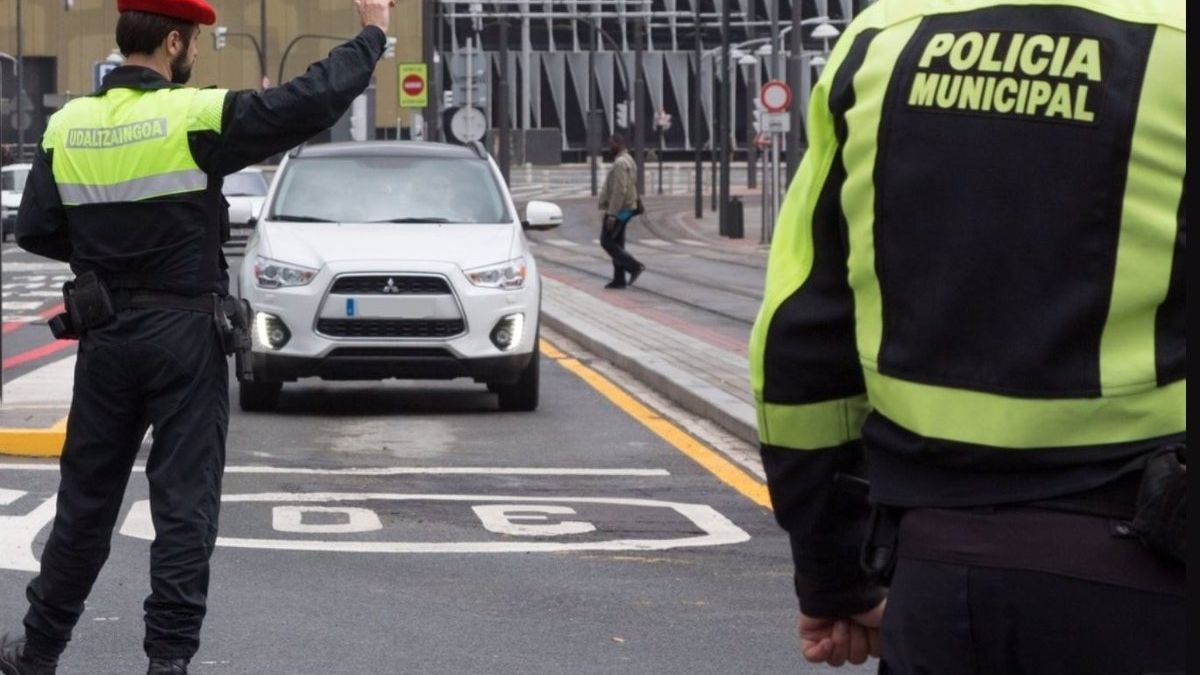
(662, 122)
(776, 99)
(413, 89)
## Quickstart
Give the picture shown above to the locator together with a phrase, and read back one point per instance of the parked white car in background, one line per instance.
(245, 191)
(393, 260)
(12, 184)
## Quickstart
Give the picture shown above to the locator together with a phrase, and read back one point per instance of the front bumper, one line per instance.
(314, 351)
(406, 363)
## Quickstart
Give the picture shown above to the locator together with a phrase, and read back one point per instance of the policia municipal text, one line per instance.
(976, 302)
(126, 186)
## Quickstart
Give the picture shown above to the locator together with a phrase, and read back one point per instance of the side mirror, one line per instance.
(252, 221)
(542, 216)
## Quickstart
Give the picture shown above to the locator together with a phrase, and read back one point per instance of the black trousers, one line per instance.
(150, 367)
(613, 242)
(974, 613)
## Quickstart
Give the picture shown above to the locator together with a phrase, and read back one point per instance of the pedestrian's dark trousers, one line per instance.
(1051, 594)
(155, 368)
(613, 243)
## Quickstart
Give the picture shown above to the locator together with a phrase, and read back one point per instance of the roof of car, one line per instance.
(385, 148)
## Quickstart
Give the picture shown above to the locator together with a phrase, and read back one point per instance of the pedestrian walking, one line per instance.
(619, 203)
(126, 186)
(970, 362)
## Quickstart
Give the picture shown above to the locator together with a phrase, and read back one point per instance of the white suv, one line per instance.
(12, 185)
(393, 260)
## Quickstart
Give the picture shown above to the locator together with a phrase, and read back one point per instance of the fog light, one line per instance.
(270, 331)
(508, 332)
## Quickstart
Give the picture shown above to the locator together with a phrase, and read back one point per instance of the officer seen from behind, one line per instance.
(126, 186)
(977, 296)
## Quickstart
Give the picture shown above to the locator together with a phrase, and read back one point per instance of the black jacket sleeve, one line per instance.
(41, 220)
(256, 125)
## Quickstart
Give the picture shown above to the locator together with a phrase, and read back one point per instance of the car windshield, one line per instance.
(245, 184)
(14, 180)
(395, 189)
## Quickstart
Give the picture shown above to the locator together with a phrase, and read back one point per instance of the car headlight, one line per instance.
(508, 275)
(274, 274)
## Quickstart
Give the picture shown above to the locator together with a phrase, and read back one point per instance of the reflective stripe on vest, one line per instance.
(130, 145)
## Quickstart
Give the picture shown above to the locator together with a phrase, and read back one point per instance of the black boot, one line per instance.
(160, 666)
(15, 659)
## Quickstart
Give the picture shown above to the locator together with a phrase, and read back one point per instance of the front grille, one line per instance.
(384, 284)
(390, 328)
(389, 352)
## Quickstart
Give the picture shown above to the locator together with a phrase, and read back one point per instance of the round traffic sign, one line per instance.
(413, 84)
(776, 96)
(468, 124)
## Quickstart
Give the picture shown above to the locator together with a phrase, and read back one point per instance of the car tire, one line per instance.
(522, 395)
(258, 396)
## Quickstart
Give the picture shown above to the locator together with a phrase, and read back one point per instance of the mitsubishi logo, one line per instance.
(390, 286)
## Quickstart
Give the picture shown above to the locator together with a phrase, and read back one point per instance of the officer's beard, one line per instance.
(181, 70)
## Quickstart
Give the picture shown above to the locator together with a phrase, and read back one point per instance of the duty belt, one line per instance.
(124, 299)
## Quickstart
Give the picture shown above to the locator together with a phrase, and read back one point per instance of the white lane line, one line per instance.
(22, 306)
(562, 242)
(396, 471)
(694, 242)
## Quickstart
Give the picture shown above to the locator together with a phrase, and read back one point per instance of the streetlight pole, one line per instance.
(796, 76)
(638, 115)
(695, 115)
(262, 41)
(288, 50)
(20, 86)
(505, 150)
(725, 114)
(593, 134)
(429, 28)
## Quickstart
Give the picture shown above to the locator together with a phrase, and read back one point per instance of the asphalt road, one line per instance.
(414, 528)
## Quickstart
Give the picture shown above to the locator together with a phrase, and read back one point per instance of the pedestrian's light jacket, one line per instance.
(976, 290)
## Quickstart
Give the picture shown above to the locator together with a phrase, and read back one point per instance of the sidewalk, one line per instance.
(704, 376)
(33, 414)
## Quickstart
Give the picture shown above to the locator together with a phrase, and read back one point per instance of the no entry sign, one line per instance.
(413, 88)
(775, 96)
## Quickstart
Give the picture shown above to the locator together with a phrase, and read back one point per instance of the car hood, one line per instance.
(314, 244)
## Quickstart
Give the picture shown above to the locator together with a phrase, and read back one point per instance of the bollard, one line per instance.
(737, 224)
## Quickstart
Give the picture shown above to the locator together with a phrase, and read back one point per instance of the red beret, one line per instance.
(195, 11)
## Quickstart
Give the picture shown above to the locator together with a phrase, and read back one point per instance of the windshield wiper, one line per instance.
(423, 219)
(288, 218)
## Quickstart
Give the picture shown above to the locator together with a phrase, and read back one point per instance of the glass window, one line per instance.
(245, 184)
(389, 189)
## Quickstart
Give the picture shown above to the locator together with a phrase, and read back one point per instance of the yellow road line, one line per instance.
(46, 442)
(725, 470)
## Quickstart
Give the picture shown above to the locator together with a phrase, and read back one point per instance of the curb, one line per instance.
(46, 442)
(689, 393)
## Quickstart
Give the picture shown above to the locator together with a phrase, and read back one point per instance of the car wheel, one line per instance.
(258, 396)
(522, 395)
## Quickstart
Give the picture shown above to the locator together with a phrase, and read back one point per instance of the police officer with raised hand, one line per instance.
(126, 186)
(970, 362)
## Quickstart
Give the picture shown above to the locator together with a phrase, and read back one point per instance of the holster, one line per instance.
(233, 320)
(1161, 518)
(878, 554)
(89, 306)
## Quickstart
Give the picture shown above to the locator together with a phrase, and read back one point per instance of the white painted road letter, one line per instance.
(501, 519)
(291, 519)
